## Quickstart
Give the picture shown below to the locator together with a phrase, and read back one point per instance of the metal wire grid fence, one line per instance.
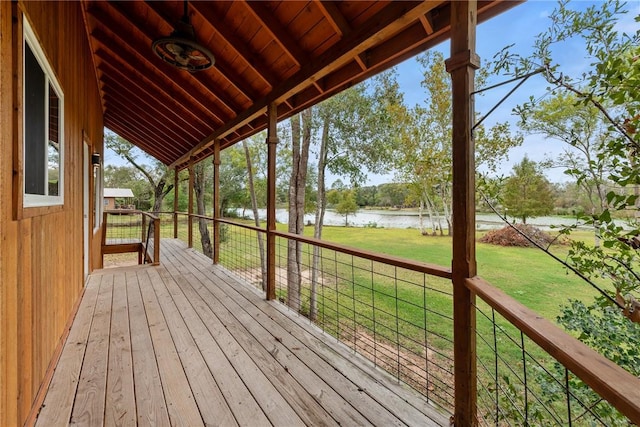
(521, 384)
(166, 224)
(123, 228)
(399, 319)
(240, 253)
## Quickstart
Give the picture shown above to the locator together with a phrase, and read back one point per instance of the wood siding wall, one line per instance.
(41, 256)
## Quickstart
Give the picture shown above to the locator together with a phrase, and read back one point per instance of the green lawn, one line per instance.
(527, 274)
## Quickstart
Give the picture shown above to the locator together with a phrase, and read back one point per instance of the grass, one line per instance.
(527, 274)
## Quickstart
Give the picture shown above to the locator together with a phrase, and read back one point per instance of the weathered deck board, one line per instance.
(186, 343)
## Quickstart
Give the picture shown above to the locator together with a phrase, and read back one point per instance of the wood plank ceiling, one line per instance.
(294, 53)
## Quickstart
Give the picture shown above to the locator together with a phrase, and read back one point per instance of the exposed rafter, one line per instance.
(292, 54)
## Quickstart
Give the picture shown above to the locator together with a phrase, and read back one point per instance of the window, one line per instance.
(43, 107)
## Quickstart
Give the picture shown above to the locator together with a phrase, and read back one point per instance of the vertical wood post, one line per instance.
(272, 140)
(190, 210)
(216, 201)
(156, 241)
(462, 66)
(176, 174)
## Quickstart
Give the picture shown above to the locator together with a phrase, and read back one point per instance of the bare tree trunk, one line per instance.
(420, 218)
(300, 153)
(198, 187)
(321, 203)
(254, 206)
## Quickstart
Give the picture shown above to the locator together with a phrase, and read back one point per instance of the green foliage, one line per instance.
(347, 205)
(612, 335)
(527, 193)
(597, 114)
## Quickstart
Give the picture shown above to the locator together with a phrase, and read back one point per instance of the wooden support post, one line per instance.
(190, 210)
(176, 174)
(216, 201)
(156, 241)
(143, 238)
(462, 66)
(272, 141)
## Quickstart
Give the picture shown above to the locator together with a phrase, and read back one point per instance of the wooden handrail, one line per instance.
(422, 267)
(620, 388)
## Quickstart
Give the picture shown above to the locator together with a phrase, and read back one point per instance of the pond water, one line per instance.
(403, 219)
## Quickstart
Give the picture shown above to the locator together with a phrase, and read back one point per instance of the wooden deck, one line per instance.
(186, 343)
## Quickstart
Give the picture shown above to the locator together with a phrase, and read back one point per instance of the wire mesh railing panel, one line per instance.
(183, 227)
(240, 252)
(398, 318)
(166, 224)
(521, 384)
(123, 227)
(202, 235)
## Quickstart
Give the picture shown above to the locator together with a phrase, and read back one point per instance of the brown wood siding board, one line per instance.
(45, 303)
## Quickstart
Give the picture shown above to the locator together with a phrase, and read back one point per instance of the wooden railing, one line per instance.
(126, 231)
(514, 390)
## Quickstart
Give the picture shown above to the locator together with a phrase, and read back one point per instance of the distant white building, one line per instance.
(118, 198)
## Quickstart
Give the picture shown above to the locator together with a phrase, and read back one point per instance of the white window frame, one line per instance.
(35, 200)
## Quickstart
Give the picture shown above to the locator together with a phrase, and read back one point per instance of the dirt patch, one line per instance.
(427, 370)
(120, 260)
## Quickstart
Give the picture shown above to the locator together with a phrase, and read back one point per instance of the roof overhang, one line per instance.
(292, 53)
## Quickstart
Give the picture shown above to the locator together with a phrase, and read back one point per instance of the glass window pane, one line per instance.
(35, 154)
(54, 143)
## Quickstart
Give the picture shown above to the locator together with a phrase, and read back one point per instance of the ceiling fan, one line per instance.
(181, 49)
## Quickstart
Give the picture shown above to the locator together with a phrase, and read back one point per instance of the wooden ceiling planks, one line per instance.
(294, 53)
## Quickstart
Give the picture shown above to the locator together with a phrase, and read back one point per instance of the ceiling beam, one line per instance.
(137, 95)
(228, 74)
(387, 22)
(278, 32)
(141, 45)
(241, 47)
(144, 117)
(127, 55)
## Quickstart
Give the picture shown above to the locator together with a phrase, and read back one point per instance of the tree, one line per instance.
(580, 126)
(157, 173)
(347, 205)
(609, 85)
(300, 142)
(254, 206)
(424, 157)
(233, 172)
(203, 170)
(527, 193)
